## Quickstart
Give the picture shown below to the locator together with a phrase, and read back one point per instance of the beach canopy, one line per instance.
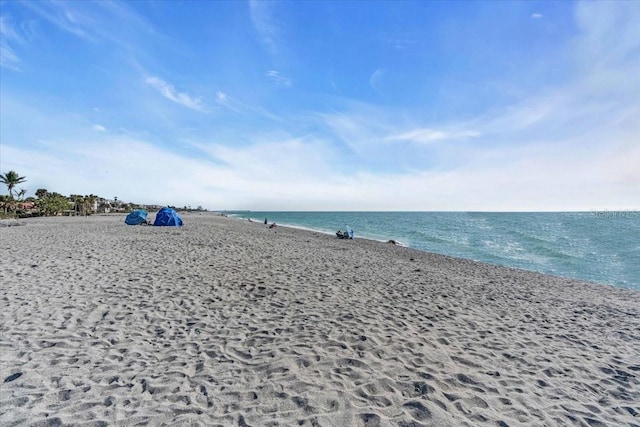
(136, 217)
(168, 217)
(350, 232)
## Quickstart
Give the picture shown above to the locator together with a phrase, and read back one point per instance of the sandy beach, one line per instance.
(225, 322)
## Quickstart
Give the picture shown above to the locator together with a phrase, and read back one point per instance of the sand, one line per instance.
(225, 322)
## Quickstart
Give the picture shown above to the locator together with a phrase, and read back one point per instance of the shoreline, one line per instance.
(400, 243)
(321, 231)
(227, 322)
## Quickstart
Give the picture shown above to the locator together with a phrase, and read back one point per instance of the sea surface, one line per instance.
(602, 247)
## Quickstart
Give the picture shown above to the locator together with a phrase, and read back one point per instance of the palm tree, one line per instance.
(89, 203)
(41, 193)
(78, 202)
(11, 179)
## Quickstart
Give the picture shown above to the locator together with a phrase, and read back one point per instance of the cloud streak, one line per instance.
(428, 136)
(375, 79)
(97, 22)
(264, 24)
(168, 91)
(8, 58)
(228, 102)
(278, 78)
(67, 18)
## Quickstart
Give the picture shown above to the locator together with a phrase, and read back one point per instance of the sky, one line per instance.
(331, 105)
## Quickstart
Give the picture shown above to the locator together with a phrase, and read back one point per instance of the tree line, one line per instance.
(46, 203)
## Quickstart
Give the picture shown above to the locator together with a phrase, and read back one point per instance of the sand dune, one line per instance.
(225, 322)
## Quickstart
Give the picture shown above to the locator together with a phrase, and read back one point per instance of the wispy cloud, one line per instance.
(375, 79)
(313, 179)
(65, 17)
(228, 102)
(428, 136)
(402, 43)
(95, 21)
(264, 24)
(8, 34)
(278, 78)
(359, 128)
(99, 128)
(8, 59)
(225, 100)
(608, 36)
(168, 91)
(536, 15)
(538, 175)
(263, 159)
(6, 29)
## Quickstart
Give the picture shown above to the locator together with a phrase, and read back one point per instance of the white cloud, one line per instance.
(226, 178)
(225, 100)
(105, 167)
(609, 35)
(278, 78)
(229, 102)
(402, 43)
(63, 16)
(168, 91)
(597, 170)
(274, 161)
(99, 128)
(95, 21)
(376, 78)
(8, 58)
(361, 128)
(283, 174)
(428, 136)
(536, 15)
(264, 24)
(6, 29)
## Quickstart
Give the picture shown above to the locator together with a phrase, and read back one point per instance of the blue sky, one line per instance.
(431, 105)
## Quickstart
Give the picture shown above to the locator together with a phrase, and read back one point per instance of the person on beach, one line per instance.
(345, 234)
(265, 221)
(273, 225)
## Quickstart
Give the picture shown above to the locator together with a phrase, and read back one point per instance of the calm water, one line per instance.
(600, 247)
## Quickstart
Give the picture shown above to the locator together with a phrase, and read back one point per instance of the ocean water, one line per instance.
(602, 247)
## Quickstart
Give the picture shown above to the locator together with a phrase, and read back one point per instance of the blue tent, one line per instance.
(168, 217)
(136, 217)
